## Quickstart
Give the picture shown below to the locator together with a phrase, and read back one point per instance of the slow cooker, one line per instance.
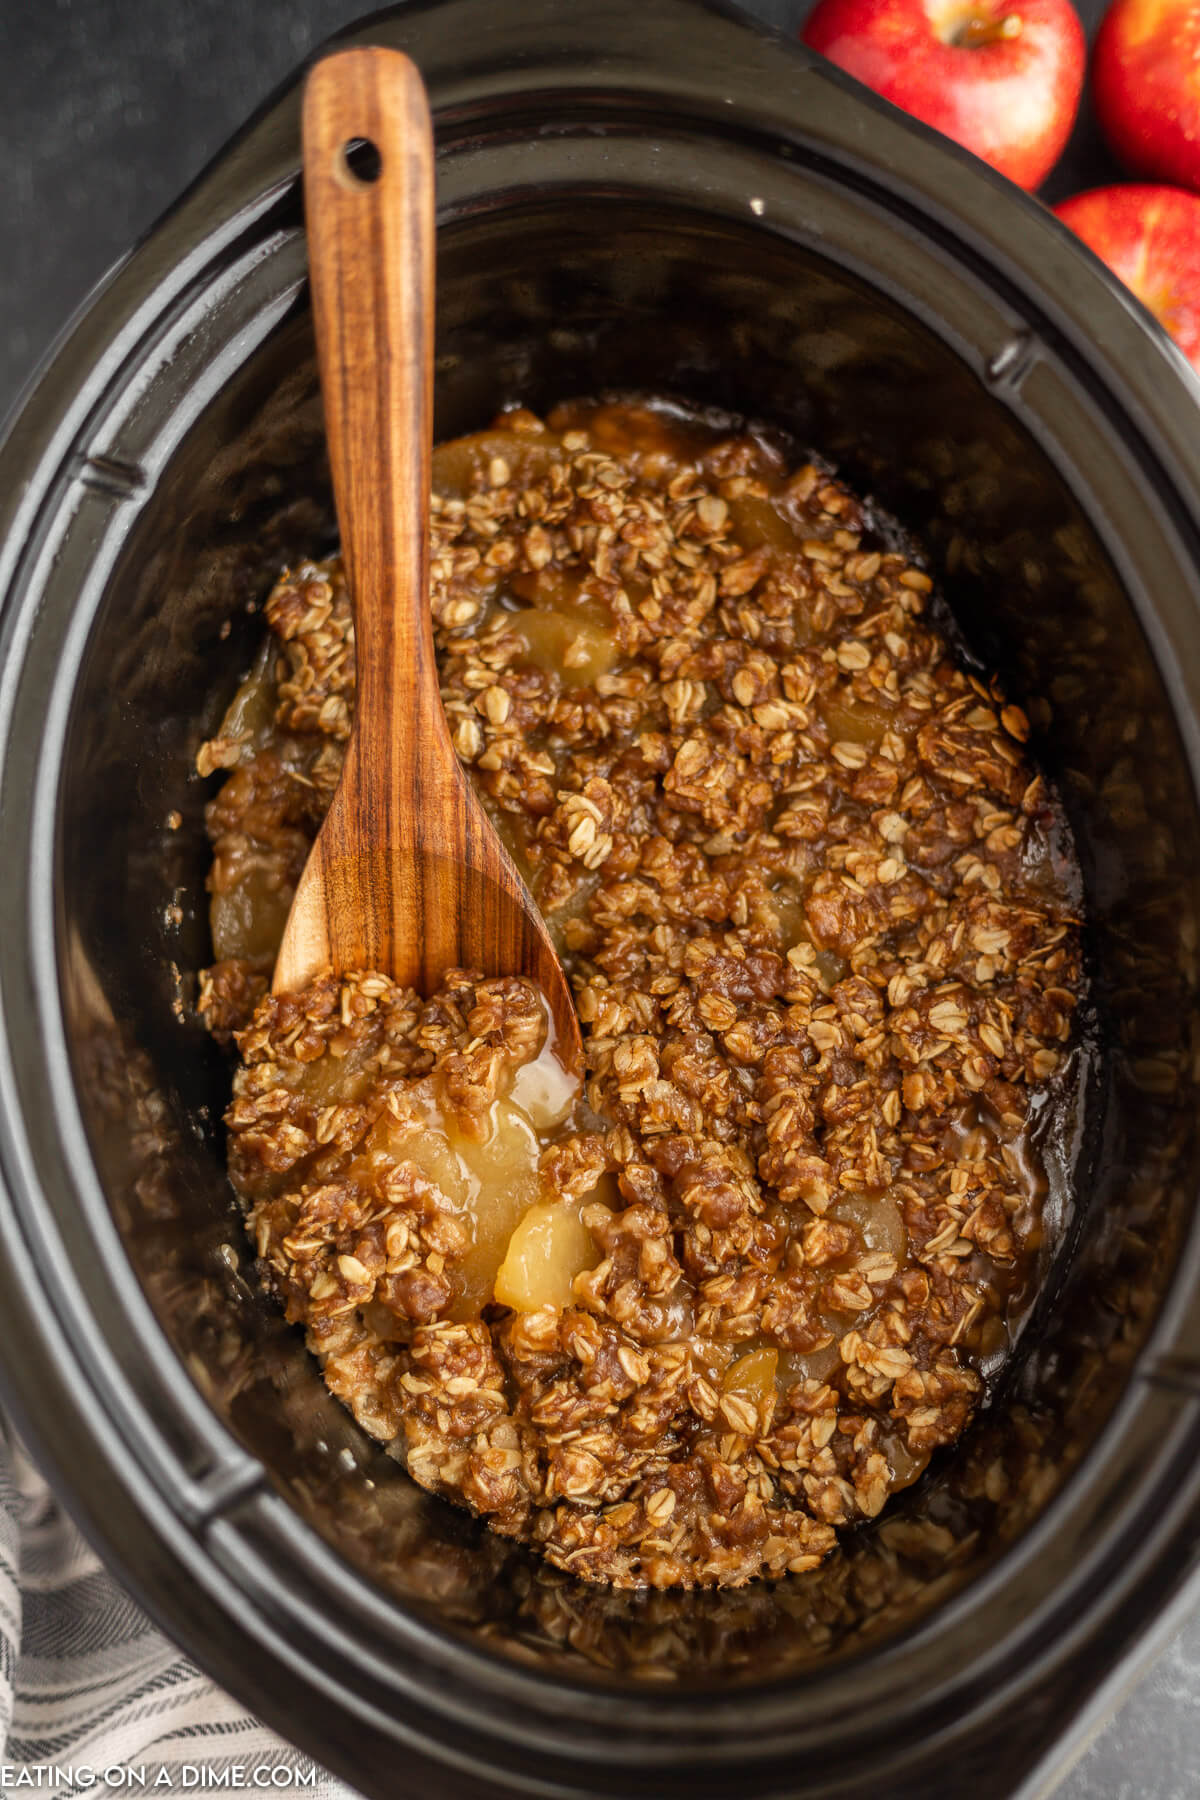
(631, 197)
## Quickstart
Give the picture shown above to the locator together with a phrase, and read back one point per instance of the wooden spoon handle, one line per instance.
(407, 874)
(370, 222)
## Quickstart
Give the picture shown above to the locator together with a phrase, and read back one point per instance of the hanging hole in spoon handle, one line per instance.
(362, 160)
(407, 876)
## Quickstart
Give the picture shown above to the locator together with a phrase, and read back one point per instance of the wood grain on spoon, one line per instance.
(407, 875)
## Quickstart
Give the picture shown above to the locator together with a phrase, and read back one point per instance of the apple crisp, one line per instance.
(819, 916)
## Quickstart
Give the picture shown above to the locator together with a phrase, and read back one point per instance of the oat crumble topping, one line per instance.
(824, 946)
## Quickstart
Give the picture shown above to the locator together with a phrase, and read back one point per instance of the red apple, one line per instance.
(1144, 84)
(1150, 238)
(1002, 77)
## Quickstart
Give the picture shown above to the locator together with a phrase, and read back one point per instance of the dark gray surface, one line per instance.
(108, 108)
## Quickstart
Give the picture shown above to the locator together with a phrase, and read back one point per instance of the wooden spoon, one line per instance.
(407, 875)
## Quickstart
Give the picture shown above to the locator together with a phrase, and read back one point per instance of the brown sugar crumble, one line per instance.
(823, 940)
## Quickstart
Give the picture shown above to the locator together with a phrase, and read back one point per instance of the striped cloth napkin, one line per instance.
(93, 1699)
